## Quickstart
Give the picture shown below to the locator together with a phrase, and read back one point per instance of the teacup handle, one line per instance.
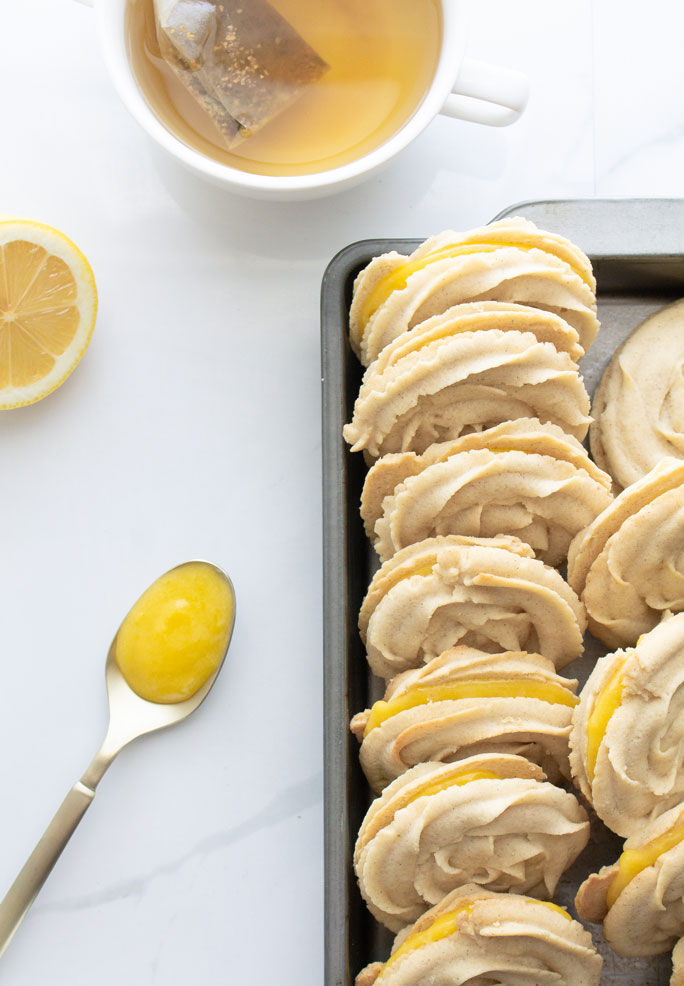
(488, 94)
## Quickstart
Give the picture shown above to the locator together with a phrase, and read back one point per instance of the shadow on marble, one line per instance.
(303, 230)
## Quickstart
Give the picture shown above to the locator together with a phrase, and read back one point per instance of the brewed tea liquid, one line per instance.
(382, 56)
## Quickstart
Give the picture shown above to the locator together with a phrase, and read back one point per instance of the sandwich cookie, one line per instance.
(640, 899)
(475, 937)
(465, 703)
(520, 435)
(628, 564)
(465, 383)
(628, 731)
(509, 261)
(487, 593)
(484, 492)
(491, 820)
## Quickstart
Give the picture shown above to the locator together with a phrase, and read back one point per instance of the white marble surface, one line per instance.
(192, 429)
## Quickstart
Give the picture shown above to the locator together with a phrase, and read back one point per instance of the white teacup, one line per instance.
(461, 88)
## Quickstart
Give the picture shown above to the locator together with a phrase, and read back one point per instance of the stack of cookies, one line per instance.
(627, 738)
(627, 745)
(471, 416)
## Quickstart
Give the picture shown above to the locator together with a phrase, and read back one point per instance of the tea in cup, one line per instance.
(355, 71)
(387, 69)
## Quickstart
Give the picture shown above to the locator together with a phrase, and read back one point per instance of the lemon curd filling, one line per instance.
(485, 448)
(448, 924)
(441, 927)
(396, 280)
(399, 575)
(607, 701)
(633, 861)
(421, 570)
(485, 688)
(175, 636)
(453, 780)
(553, 907)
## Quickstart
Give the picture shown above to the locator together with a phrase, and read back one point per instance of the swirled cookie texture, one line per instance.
(639, 406)
(466, 383)
(543, 500)
(508, 261)
(487, 593)
(474, 936)
(479, 316)
(628, 564)
(527, 435)
(465, 703)
(640, 899)
(628, 730)
(491, 820)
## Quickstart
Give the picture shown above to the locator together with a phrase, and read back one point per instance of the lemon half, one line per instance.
(48, 303)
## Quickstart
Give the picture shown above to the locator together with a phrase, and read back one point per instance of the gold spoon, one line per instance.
(130, 716)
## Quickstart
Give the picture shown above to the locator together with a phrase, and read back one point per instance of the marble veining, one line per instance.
(290, 801)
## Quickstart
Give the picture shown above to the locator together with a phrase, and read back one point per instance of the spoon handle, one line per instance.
(39, 865)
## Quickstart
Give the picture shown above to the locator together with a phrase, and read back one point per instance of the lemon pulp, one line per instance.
(174, 637)
(48, 303)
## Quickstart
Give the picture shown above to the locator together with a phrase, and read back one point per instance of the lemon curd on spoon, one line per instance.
(175, 636)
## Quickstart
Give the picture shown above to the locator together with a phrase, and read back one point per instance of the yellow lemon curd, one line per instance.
(396, 280)
(544, 691)
(486, 448)
(633, 861)
(175, 636)
(453, 780)
(458, 776)
(441, 927)
(553, 907)
(424, 569)
(447, 924)
(607, 701)
(398, 575)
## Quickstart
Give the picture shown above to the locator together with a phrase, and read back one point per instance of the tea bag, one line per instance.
(240, 59)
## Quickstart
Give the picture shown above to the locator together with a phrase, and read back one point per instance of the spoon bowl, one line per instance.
(130, 716)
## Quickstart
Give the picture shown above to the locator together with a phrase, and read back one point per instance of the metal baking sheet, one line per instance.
(637, 250)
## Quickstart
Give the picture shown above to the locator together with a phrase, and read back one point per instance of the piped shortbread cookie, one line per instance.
(488, 593)
(508, 261)
(640, 898)
(472, 381)
(476, 936)
(628, 564)
(467, 702)
(521, 478)
(628, 730)
(492, 819)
